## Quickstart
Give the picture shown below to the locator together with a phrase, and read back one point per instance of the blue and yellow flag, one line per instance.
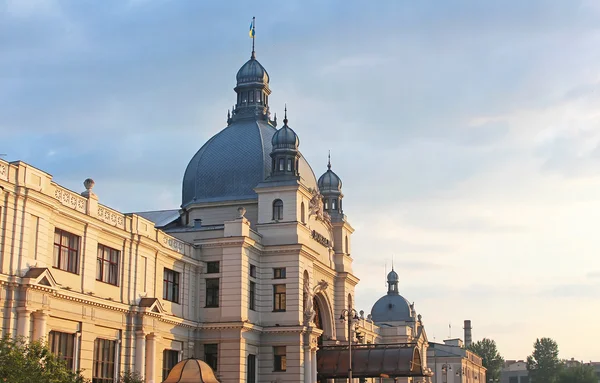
(251, 33)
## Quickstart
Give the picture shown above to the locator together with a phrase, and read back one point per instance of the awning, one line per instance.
(370, 361)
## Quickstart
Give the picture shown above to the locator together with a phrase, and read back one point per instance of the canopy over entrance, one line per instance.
(370, 361)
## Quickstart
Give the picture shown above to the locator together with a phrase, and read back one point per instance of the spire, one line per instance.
(285, 120)
(329, 160)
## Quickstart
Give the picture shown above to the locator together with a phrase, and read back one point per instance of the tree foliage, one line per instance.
(130, 377)
(22, 362)
(580, 373)
(491, 358)
(543, 364)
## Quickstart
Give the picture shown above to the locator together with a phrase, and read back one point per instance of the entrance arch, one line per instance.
(324, 318)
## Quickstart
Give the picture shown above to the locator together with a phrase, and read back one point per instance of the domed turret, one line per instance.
(392, 307)
(285, 152)
(330, 186)
(252, 72)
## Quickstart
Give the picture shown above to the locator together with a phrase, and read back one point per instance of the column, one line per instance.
(40, 318)
(76, 347)
(23, 321)
(307, 365)
(313, 355)
(151, 341)
(140, 352)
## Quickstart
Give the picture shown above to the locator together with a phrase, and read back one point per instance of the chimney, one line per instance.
(468, 337)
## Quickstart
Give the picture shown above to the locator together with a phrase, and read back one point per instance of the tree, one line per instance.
(580, 373)
(491, 358)
(130, 377)
(543, 364)
(22, 362)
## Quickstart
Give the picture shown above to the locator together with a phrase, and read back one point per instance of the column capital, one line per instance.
(42, 314)
(154, 336)
(141, 333)
(24, 310)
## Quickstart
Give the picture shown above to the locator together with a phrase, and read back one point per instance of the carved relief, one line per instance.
(3, 171)
(110, 217)
(174, 244)
(309, 294)
(71, 200)
(315, 207)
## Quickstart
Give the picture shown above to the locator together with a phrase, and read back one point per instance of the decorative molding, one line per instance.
(71, 200)
(110, 217)
(174, 244)
(4, 171)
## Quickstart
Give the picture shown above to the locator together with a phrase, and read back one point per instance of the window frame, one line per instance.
(279, 298)
(58, 342)
(277, 210)
(101, 261)
(251, 368)
(252, 296)
(279, 273)
(167, 357)
(171, 286)
(104, 365)
(59, 247)
(279, 358)
(213, 361)
(211, 269)
(252, 271)
(213, 293)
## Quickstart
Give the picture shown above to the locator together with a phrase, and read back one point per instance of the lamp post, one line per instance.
(445, 368)
(351, 316)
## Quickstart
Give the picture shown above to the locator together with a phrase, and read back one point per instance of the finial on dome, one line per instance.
(252, 36)
(285, 120)
(329, 160)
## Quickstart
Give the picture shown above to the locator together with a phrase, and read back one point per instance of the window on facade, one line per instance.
(346, 244)
(278, 297)
(212, 292)
(251, 94)
(107, 267)
(212, 267)
(325, 204)
(279, 273)
(253, 271)
(302, 213)
(333, 204)
(258, 97)
(279, 358)
(281, 164)
(277, 210)
(104, 361)
(251, 369)
(170, 359)
(66, 251)
(289, 165)
(211, 355)
(171, 286)
(63, 345)
(513, 379)
(252, 295)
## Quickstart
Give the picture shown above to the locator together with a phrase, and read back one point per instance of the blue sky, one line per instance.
(467, 133)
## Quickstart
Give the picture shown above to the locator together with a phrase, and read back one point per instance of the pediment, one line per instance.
(40, 276)
(151, 305)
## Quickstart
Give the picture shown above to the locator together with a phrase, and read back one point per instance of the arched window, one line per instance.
(334, 204)
(325, 203)
(281, 164)
(277, 210)
(302, 214)
(289, 165)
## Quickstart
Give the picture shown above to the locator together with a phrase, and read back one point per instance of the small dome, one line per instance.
(392, 277)
(329, 181)
(285, 138)
(391, 308)
(252, 71)
(191, 371)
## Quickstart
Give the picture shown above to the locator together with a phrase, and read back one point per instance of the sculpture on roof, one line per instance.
(315, 207)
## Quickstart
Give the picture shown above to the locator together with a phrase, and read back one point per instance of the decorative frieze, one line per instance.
(174, 244)
(70, 199)
(110, 217)
(3, 171)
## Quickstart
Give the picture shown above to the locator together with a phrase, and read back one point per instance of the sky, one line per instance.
(466, 133)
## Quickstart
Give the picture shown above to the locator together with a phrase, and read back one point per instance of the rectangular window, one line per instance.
(279, 358)
(252, 297)
(212, 292)
(279, 273)
(278, 297)
(281, 164)
(170, 359)
(171, 286)
(66, 251)
(107, 267)
(104, 361)
(211, 355)
(62, 344)
(212, 267)
(289, 165)
(513, 379)
(253, 271)
(251, 369)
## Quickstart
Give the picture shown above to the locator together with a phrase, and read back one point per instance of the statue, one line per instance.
(309, 294)
(315, 207)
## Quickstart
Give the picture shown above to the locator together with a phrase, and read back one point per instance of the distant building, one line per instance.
(514, 371)
(452, 363)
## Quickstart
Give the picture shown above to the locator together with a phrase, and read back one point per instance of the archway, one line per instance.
(324, 317)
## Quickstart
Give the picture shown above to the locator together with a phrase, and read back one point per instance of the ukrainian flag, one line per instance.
(251, 33)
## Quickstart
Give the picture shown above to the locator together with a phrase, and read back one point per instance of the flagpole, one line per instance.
(253, 35)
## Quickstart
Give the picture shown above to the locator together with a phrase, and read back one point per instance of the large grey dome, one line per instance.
(392, 307)
(232, 163)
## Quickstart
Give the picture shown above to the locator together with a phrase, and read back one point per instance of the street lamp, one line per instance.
(445, 368)
(350, 315)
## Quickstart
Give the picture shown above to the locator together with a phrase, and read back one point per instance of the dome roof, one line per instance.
(392, 277)
(233, 162)
(330, 181)
(252, 71)
(391, 308)
(285, 138)
(191, 371)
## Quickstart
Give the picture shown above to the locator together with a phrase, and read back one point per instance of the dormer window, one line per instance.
(277, 210)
